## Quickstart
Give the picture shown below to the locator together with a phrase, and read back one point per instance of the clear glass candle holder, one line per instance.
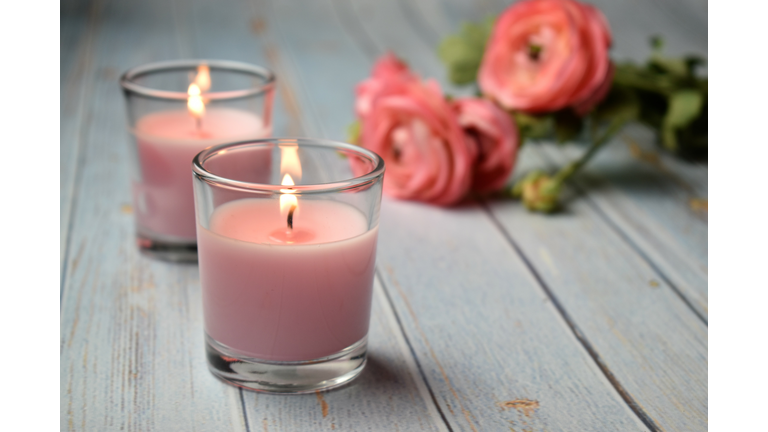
(175, 110)
(287, 262)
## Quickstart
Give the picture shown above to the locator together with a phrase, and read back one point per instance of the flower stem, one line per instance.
(569, 170)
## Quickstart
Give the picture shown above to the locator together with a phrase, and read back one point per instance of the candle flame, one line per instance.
(290, 167)
(289, 160)
(203, 78)
(195, 102)
(286, 199)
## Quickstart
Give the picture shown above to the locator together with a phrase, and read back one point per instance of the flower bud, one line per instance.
(538, 192)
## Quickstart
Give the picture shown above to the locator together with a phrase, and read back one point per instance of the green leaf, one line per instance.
(671, 98)
(462, 53)
(684, 107)
(568, 125)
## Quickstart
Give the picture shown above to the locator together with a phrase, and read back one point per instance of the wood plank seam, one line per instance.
(628, 399)
(392, 308)
(242, 407)
(468, 416)
(93, 21)
(625, 234)
(647, 258)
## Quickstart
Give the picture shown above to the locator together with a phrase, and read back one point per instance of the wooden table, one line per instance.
(485, 317)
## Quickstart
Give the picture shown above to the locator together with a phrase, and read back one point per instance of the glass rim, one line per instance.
(127, 83)
(352, 183)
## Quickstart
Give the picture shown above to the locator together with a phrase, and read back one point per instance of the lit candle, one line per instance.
(167, 140)
(287, 279)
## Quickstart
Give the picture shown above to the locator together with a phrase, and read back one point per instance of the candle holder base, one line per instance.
(168, 250)
(286, 377)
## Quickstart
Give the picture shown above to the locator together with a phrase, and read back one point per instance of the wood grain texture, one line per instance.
(79, 20)
(649, 200)
(640, 329)
(486, 334)
(131, 345)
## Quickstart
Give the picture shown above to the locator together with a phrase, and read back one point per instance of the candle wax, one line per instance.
(167, 143)
(269, 299)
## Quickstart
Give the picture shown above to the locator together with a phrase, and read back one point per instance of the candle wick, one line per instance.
(290, 217)
(199, 124)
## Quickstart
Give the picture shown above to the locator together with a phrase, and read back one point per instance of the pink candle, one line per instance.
(276, 295)
(167, 142)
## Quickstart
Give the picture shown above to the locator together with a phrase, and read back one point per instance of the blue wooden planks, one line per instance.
(640, 330)
(78, 23)
(131, 327)
(650, 199)
(487, 336)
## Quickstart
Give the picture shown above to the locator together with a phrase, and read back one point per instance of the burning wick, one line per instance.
(288, 202)
(290, 217)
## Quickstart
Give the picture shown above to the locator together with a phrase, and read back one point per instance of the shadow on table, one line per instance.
(380, 377)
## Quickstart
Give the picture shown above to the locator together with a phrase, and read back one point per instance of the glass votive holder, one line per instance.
(176, 109)
(287, 263)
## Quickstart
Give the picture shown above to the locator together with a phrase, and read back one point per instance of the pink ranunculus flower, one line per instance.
(415, 130)
(388, 71)
(496, 138)
(545, 55)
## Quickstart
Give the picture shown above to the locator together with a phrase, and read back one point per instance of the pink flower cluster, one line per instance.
(542, 56)
(435, 150)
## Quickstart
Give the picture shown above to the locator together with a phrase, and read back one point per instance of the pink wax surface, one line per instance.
(167, 143)
(288, 302)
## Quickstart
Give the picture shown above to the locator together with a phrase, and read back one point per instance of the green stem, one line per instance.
(569, 170)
